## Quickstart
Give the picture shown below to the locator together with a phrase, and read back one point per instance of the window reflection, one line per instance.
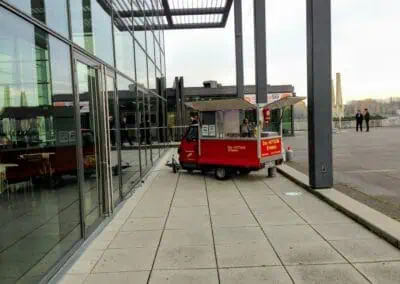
(91, 27)
(130, 163)
(124, 45)
(52, 13)
(141, 67)
(152, 75)
(150, 44)
(39, 207)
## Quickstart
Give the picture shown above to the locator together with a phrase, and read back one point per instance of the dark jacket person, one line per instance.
(366, 117)
(359, 120)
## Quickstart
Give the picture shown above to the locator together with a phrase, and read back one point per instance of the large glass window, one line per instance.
(91, 27)
(140, 34)
(52, 13)
(158, 56)
(152, 75)
(150, 44)
(39, 197)
(114, 135)
(144, 132)
(141, 67)
(124, 49)
(154, 123)
(88, 87)
(130, 161)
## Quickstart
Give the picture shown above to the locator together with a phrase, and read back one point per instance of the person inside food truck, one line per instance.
(245, 128)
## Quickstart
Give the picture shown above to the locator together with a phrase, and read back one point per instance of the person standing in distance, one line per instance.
(359, 120)
(366, 118)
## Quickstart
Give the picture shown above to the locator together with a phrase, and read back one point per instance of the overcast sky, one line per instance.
(365, 46)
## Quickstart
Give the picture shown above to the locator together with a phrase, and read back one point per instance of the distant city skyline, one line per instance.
(365, 46)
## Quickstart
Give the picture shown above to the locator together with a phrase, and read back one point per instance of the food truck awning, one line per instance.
(282, 103)
(219, 105)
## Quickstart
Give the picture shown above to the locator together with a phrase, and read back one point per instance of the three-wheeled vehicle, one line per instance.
(232, 136)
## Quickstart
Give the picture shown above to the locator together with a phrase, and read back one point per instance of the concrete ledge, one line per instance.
(382, 225)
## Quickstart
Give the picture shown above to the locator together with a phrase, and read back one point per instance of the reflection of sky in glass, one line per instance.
(52, 12)
(141, 38)
(152, 75)
(150, 44)
(94, 33)
(141, 67)
(60, 67)
(124, 52)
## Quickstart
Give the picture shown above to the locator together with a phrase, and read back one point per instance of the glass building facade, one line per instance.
(82, 120)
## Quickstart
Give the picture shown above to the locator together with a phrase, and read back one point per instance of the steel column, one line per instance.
(319, 93)
(260, 45)
(239, 49)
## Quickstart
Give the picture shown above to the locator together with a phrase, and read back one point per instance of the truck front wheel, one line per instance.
(221, 173)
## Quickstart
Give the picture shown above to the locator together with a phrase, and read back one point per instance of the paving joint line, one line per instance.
(212, 229)
(318, 233)
(265, 234)
(163, 230)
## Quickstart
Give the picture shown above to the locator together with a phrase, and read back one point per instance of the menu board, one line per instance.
(204, 131)
(208, 130)
(211, 131)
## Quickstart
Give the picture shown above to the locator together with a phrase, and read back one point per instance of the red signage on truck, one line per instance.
(271, 146)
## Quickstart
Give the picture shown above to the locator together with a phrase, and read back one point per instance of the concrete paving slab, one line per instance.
(366, 250)
(223, 198)
(278, 218)
(281, 235)
(307, 253)
(99, 244)
(196, 211)
(188, 276)
(229, 209)
(246, 255)
(190, 201)
(136, 239)
(185, 257)
(348, 231)
(239, 235)
(86, 262)
(326, 274)
(196, 237)
(242, 220)
(73, 279)
(254, 275)
(188, 222)
(186, 250)
(138, 224)
(381, 272)
(138, 277)
(107, 235)
(127, 259)
(267, 203)
(325, 217)
(115, 224)
(252, 185)
(149, 210)
(305, 203)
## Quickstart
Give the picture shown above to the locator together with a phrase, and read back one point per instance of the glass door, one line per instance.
(89, 80)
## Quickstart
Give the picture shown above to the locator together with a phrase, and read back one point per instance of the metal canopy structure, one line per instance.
(178, 14)
(221, 105)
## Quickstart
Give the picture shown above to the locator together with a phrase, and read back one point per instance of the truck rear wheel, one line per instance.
(221, 173)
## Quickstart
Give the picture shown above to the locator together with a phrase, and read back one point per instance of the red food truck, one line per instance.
(232, 136)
